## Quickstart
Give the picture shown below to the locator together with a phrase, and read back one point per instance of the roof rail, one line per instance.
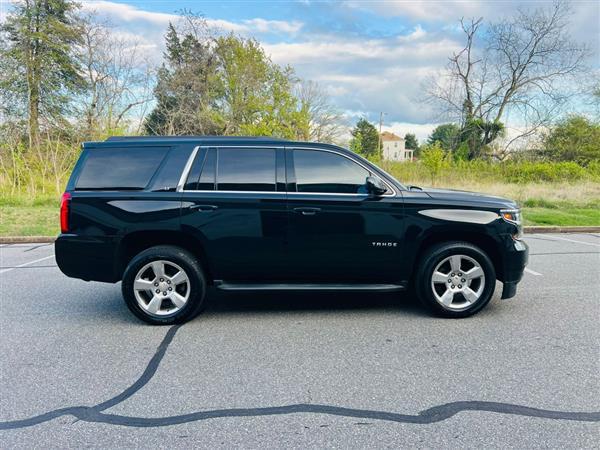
(158, 138)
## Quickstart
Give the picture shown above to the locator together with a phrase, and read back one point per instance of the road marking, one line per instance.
(532, 272)
(577, 242)
(26, 264)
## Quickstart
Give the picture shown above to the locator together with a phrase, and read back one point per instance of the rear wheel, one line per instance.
(164, 285)
(455, 279)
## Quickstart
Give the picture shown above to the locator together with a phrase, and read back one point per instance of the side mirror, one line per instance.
(375, 186)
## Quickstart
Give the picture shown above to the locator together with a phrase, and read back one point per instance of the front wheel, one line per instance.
(455, 279)
(164, 285)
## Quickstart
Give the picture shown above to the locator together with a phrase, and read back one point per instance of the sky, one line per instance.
(370, 56)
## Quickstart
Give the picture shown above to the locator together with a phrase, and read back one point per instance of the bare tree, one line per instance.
(521, 67)
(326, 123)
(119, 79)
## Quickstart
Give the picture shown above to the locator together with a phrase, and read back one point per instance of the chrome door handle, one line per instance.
(203, 208)
(307, 211)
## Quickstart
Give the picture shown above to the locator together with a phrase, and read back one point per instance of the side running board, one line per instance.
(226, 286)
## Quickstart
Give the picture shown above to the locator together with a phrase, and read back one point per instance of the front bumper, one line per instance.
(516, 257)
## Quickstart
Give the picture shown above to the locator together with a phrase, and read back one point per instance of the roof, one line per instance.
(190, 138)
(387, 136)
(131, 141)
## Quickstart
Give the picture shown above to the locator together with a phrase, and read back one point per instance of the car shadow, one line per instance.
(220, 303)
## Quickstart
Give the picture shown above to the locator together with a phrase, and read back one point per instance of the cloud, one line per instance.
(270, 26)
(370, 74)
(122, 12)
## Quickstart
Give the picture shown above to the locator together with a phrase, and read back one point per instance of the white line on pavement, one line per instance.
(25, 264)
(532, 272)
(573, 240)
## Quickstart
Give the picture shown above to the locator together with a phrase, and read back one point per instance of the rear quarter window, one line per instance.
(120, 168)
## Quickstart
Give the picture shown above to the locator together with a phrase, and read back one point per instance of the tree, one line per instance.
(223, 85)
(117, 79)
(256, 94)
(523, 66)
(40, 68)
(573, 139)
(367, 138)
(186, 89)
(325, 121)
(435, 159)
(447, 135)
(411, 142)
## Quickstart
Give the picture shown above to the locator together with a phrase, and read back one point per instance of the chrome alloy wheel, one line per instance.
(161, 288)
(457, 282)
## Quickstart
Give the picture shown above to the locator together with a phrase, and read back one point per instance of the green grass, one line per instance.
(562, 216)
(44, 220)
(29, 220)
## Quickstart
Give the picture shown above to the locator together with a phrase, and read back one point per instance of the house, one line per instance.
(393, 148)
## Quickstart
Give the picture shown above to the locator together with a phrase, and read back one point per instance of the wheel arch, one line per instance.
(134, 243)
(482, 240)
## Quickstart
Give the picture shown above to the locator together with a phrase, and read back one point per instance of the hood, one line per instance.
(451, 195)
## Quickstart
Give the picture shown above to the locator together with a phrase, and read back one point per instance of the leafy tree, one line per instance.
(186, 88)
(365, 138)
(223, 86)
(256, 94)
(574, 139)
(411, 142)
(476, 134)
(40, 71)
(435, 159)
(447, 135)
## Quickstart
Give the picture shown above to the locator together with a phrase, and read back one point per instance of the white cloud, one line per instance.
(126, 13)
(370, 75)
(421, 131)
(277, 26)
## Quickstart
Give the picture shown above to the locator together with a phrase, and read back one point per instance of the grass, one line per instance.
(29, 220)
(562, 217)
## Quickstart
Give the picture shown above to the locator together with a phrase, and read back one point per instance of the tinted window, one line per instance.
(170, 171)
(120, 168)
(207, 177)
(249, 169)
(192, 180)
(328, 172)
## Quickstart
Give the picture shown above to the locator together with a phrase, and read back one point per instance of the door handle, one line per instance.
(203, 208)
(307, 211)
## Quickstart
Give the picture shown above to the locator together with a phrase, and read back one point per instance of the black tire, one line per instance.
(183, 259)
(434, 256)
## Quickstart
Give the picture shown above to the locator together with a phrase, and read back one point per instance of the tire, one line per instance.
(460, 292)
(177, 298)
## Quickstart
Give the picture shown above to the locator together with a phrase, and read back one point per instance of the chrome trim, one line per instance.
(187, 168)
(235, 192)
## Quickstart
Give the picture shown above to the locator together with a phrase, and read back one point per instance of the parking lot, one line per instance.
(282, 370)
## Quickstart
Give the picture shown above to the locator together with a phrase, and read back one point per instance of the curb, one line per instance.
(26, 239)
(527, 230)
(553, 229)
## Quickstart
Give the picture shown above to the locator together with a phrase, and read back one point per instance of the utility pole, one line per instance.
(381, 114)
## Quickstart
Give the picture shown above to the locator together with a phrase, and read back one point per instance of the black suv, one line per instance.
(174, 216)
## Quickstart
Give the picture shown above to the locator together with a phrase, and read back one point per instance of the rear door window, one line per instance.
(126, 168)
(246, 169)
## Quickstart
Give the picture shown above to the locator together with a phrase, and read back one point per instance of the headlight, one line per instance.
(513, 216)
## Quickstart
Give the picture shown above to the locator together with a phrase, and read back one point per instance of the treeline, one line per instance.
(67, 77)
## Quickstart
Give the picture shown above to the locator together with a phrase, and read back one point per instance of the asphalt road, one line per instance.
(280, 370)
